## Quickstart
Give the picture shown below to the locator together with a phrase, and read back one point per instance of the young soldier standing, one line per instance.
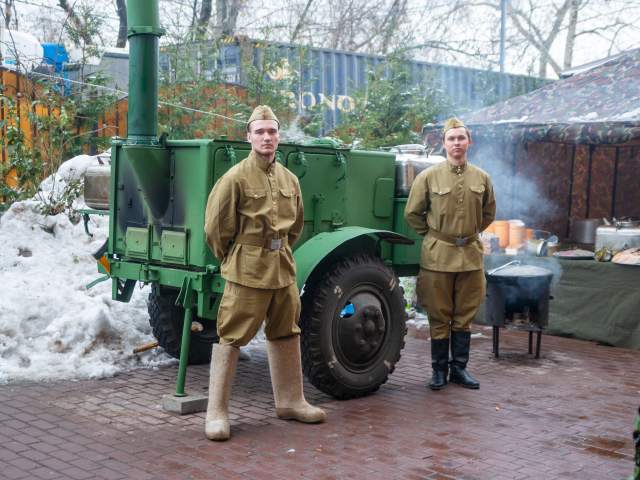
(254, 215)
(450, 204)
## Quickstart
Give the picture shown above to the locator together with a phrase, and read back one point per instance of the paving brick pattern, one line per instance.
(568, 415)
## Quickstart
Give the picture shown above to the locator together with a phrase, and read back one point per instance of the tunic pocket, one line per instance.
(439, 199)
(477, 196)
(254, 201)
(287, 203)
(255, 193)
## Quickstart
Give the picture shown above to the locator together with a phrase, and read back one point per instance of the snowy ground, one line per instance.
(51, 326)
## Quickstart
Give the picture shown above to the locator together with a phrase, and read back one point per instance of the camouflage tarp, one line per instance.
(597, 106)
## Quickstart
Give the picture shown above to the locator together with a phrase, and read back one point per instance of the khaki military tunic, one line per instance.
(254, 216)
(458, 202)
(448, 203)
(258, 203)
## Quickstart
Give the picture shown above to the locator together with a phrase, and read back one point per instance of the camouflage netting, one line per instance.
(599, 106)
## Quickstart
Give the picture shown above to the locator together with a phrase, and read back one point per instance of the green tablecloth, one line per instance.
(592, 300)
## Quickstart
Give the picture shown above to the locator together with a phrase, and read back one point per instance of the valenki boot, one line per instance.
(224, 359)
(460, 344)
(439, 363)
(286, 379)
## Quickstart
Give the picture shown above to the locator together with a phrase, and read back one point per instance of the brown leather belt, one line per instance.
(268, 243)
(457, 241)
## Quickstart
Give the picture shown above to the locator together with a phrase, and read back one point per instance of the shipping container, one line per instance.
(328, 78)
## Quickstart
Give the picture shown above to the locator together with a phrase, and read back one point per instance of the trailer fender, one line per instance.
(328, 245)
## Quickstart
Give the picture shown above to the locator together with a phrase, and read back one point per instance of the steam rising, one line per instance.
(517, 194)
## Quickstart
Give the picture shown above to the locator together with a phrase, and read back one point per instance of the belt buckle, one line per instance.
(461, 241)
(276, 244)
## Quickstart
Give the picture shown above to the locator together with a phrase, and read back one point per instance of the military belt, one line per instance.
(268, 243)
(453, 240)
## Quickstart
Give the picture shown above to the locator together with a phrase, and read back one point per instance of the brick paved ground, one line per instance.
(568, 415)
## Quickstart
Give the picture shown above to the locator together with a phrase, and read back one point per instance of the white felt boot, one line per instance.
(286, 379)
(224, 359)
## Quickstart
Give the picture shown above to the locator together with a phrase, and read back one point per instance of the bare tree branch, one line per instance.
(301, 21)
(75, 20)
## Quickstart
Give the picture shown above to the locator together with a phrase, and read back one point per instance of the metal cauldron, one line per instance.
(410, 161)
(96, 184)
(515, 289)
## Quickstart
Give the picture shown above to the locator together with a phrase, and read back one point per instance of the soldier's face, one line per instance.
(264, 136)
(456, 142)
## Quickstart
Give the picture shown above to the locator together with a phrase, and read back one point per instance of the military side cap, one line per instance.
(454, 122)
(262, 112)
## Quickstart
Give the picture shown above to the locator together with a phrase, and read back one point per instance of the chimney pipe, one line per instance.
(144, 30)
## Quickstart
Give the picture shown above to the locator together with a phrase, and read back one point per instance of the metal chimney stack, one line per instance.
(144, 30)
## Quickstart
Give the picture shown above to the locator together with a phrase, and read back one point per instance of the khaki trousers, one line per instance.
(243, 309)
(451, 299)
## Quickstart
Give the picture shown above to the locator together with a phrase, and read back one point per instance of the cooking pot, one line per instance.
(409, 164)
(96, 185)
(583, 230)
(518, 288)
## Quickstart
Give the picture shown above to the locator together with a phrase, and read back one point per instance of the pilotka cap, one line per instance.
(454, 122)
(262, 112)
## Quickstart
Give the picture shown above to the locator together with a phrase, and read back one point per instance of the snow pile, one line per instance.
(416, 317)
(51, 327)
(631, 115)
(589, 117)
(293, 133)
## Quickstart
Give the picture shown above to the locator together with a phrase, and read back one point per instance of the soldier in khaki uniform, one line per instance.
(450, 204)
(254, 216)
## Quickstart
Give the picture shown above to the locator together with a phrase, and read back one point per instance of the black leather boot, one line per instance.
(460, 343)
(439, 363)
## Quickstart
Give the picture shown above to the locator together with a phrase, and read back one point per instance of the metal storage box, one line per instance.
(618, 237)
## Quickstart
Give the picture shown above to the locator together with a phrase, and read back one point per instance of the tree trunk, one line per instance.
(571, 34)
(533, 35)
(122, 17)
(394, 16)
(204, 18)
(8, 6)
(227, 12)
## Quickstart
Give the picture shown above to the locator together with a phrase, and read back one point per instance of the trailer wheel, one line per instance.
(353, 327)
(166, 320)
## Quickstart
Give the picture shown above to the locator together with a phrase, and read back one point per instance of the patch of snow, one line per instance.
(51, 326)
(630, 115)
(589, 117)
(524, 118)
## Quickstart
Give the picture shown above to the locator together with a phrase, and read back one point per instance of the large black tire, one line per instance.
(167, 319)
(353, 326)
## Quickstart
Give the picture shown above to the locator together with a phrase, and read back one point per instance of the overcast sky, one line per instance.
(44, 19)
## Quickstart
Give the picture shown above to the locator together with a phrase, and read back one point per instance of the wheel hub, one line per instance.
(361, 333)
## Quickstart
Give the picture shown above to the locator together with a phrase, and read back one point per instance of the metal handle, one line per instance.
(512, 262)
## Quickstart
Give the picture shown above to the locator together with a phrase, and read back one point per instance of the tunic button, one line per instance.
(460, 201)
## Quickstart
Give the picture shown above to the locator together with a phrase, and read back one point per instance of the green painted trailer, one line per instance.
(354, 246)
